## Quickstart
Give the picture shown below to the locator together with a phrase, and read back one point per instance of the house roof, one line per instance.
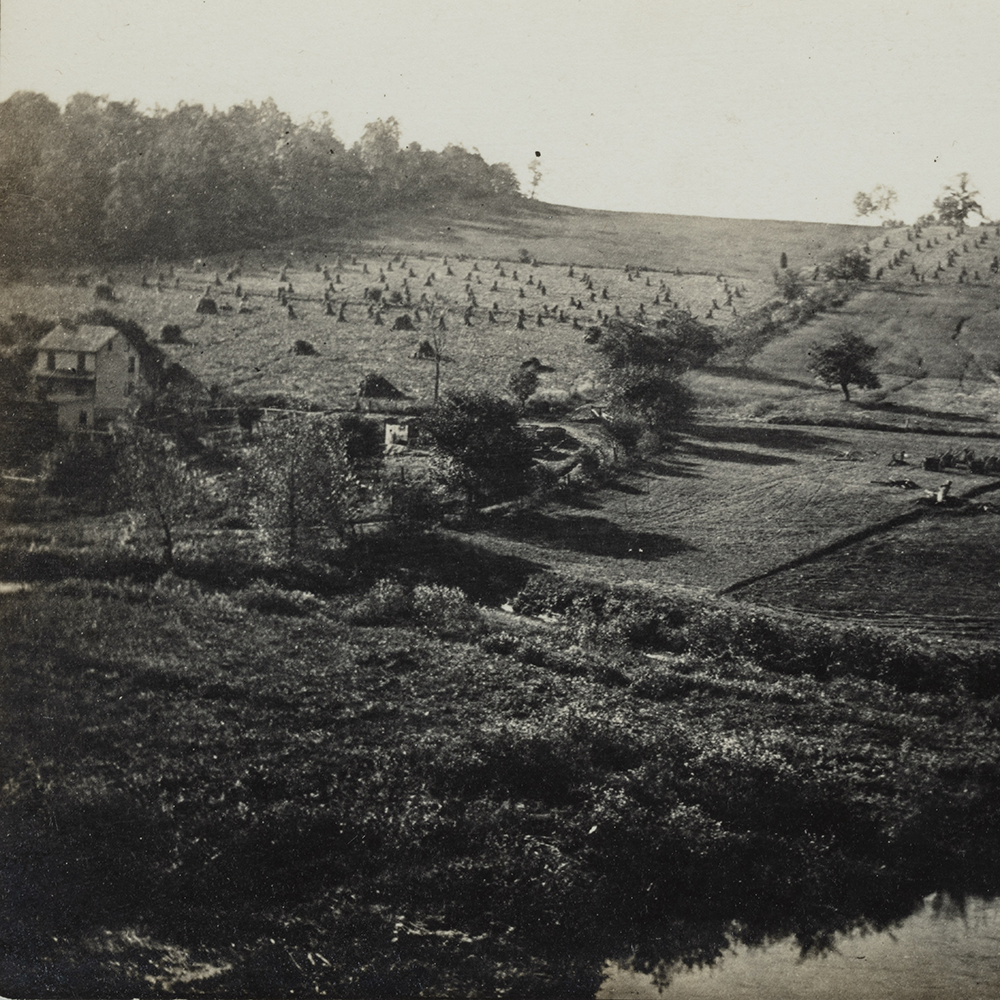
(84, 338)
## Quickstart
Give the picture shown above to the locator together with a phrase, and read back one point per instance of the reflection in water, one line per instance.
(948, 948)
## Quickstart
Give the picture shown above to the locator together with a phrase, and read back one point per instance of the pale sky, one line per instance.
(779, 109)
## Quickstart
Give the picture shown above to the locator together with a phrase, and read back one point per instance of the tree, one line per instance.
(643, 371)
(487, 453)
(535, 167)
(878, 201)
(300, 480)
(789, 284)
(654, 395)
(523, 382)
(958, 202)
(850, 265)
(160, 490)
(846, 362)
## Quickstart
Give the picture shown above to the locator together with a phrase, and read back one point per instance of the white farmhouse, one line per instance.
(89, 374)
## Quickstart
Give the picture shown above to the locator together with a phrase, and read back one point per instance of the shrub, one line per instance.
(445, 609)
(387, 602)
(272, 600)
(363, 438)
(850, 265)
(551, 403)
(489, 453)
(82, 468)
(535, 653)
(789, 284)
(414, 506)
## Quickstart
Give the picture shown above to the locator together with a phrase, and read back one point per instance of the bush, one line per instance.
(82, 468)
(386, 603)
(489, 453)
(271, 600)
(446, 610)
(414, 506)
(789, 284)
(850, 265)
(363, 438)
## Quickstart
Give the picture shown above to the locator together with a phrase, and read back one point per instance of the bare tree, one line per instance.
(535, 167)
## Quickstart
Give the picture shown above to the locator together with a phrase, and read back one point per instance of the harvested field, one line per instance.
(938, 575)
(733, 501)
(252, 352)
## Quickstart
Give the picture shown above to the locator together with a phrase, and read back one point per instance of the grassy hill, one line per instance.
(560, 234)
(692, 262)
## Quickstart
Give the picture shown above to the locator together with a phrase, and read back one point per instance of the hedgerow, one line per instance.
(781, 643)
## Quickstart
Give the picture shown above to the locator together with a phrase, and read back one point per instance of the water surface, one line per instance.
(946, 949)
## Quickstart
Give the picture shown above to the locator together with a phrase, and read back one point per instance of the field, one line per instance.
(251, 352)
(656, 717)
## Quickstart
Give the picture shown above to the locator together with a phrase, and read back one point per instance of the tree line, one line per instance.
(102, 180)
(953, 207)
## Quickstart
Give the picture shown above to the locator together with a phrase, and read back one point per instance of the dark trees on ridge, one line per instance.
(102, 179)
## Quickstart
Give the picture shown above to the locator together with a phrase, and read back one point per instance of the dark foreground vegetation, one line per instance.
(380, 788)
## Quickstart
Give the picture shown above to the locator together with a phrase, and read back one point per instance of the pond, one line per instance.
(948, 948)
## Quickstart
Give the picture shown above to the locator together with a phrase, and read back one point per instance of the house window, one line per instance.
(50, 361)
(130, 388)
(81, 362)
(131, 364)
(111, 346)
(83, 418)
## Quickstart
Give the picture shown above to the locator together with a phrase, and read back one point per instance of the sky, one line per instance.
(777, 109)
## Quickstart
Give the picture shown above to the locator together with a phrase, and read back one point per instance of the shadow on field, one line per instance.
(781, 438)
(674, 466)
(444, 557)
(590, 535)
(920, 411)
(715, 454)
(751, 374)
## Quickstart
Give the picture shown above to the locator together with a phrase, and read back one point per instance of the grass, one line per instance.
(938, 574)
(249, 802)
(734, 500)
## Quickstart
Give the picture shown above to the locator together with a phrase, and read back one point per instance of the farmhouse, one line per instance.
(89, 374)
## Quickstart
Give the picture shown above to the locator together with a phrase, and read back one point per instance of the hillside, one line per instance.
(713, 267)
(560, 234)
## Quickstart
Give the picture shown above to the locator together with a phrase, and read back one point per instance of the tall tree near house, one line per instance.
(300, 482)
(159, 489)
(846, 362)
